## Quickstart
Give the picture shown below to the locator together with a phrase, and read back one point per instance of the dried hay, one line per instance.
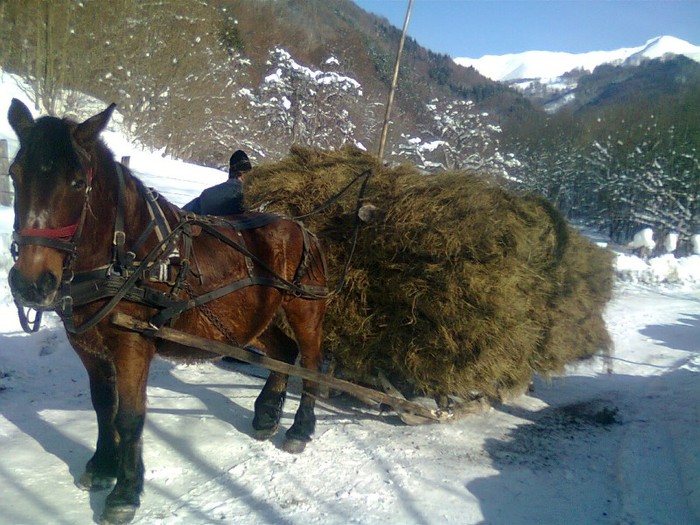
(458, 287)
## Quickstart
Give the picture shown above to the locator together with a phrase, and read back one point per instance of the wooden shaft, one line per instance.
(176, 336)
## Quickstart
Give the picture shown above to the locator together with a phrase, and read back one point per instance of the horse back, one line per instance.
(267, 247)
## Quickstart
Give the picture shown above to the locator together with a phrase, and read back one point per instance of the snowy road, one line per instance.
(591, 447)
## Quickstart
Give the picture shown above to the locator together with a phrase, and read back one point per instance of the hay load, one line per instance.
(457, 286)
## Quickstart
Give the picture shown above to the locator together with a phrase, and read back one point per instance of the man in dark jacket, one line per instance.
(225, 198)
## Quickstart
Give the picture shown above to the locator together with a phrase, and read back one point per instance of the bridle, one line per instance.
(64, 239)
(117, 280)
(59, 238)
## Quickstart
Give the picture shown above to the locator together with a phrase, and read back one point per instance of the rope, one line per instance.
(335, 198)
(355, 234)
(367, 174)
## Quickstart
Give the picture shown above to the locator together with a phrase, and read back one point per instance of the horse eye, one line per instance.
(77, 184)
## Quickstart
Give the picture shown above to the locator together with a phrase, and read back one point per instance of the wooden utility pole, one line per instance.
(394, 82)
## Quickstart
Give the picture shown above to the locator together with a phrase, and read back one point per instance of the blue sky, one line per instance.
(474, 28)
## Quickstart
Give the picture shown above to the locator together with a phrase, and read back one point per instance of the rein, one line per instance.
(366, 175)
(120, 279)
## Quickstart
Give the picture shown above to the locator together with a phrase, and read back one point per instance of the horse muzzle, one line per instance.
(38, 293)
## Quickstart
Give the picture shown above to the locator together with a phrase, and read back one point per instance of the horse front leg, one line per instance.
(101, 470)
(132, 362)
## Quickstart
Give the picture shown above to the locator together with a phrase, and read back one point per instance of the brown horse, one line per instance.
(91, 239)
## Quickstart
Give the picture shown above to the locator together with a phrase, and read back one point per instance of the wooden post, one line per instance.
(5, 184)
(394, 82)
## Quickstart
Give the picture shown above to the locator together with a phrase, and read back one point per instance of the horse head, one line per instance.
(52, 175)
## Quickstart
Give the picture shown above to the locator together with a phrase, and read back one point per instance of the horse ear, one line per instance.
(20, 118)
(88, 131)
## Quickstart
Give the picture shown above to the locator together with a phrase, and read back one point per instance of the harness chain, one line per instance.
(213, 318)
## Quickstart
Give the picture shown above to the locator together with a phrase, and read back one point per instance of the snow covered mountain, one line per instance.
(551, 79)
(550, 65)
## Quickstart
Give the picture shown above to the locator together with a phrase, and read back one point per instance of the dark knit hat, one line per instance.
(238, 163)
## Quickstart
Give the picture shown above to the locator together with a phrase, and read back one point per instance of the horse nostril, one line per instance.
(30, 292)
(15, 279)
(47, 283)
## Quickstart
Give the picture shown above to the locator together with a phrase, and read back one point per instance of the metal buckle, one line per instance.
(152, 194)
(14, 250)
(119, 238)
(67, 304)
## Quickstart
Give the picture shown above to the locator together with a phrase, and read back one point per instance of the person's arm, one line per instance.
(223, 199)
(192, 206)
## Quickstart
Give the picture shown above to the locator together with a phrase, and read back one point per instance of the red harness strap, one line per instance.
(65, 233)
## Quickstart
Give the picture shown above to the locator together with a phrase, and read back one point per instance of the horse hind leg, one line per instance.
(268, 405)
(305, 317)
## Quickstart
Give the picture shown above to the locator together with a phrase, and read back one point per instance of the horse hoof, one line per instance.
(294, 446)
(264, 434)
(118, 514)
(94, 482)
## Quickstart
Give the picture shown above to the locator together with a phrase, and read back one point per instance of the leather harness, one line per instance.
(168, 262)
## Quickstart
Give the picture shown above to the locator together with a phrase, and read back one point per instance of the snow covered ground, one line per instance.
(614, 441)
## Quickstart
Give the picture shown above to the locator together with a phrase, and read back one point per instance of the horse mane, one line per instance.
(108, 161)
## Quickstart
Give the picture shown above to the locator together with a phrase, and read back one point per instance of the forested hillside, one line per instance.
(198, 79)
(626, 155)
